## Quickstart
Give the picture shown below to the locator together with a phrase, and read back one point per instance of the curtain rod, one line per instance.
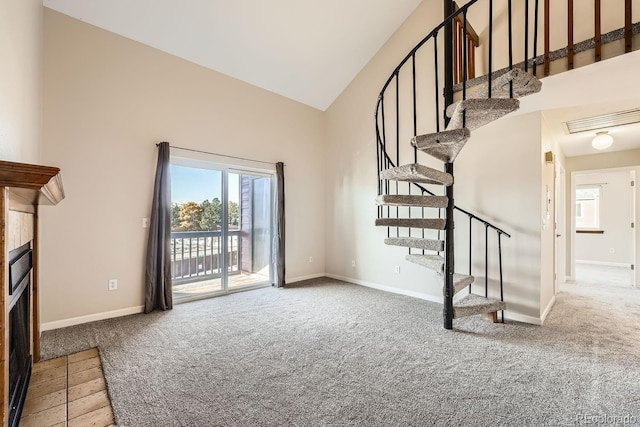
(221, 155)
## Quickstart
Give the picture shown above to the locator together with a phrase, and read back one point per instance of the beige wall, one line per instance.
(21, 81)
(547, 231)
(499, 179)
(496, 180)
(107, 101)
(548, 215)
(615, 159)
(615, 219)
(351, 174)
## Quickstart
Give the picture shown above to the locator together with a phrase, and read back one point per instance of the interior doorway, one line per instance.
(603, 227)
(560, 275)
(222, 227)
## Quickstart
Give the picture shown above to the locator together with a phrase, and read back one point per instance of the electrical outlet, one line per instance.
(310, 259)
(145, 222)
(397, 269)
(113, 284)
(353, 263)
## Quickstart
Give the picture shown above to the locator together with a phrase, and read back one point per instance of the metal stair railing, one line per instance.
(439, 46)
(386, 148)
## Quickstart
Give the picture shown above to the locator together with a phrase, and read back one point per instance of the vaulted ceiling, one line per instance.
(310, 51)
(305, 50)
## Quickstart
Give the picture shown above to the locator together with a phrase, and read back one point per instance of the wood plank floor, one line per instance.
(68, 391)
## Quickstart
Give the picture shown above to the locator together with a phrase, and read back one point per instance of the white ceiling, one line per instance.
(305, 50)
(605, 87)
(579, 144)
(310, 51)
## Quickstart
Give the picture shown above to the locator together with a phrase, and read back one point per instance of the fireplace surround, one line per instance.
(23, 189)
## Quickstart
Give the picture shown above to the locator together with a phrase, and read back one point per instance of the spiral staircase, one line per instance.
(407, 185)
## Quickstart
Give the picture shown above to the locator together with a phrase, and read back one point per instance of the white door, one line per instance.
(633, 227)
(560, 227)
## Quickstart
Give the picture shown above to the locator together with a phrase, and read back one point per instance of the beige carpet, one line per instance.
(327, 353)
(603, 275)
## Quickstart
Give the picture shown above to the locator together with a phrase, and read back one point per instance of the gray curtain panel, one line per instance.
(278, 240)
(158, 294)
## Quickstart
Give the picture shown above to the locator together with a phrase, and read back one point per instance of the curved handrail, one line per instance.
(459, 209)
(413, 51)
(381, 145)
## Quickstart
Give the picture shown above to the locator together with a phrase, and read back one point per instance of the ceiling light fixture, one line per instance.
(602, 140)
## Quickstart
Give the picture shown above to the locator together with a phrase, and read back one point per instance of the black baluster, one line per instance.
(500, 266)
(486, 260)
(526, 35)
(490, 47)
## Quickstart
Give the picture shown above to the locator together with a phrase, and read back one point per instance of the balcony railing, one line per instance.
(197, 255)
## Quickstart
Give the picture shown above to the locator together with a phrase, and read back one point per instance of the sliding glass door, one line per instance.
(222, 225)
(250, 225)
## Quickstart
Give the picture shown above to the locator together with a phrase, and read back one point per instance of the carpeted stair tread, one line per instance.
(460, 282)
(404, 200)
(416, 172)
(432, 223)
(524, 84)
(445, 145)
(479, 112)
(473, 84)
(416, 242)
(475, 304)
(433, 262)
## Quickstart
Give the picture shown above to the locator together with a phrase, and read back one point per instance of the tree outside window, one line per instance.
(588, 207)
(205, 216)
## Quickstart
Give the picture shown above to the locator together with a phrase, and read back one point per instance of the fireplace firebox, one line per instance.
(20, 358)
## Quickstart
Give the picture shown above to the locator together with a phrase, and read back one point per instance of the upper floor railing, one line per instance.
(591, 24)
(464, 34)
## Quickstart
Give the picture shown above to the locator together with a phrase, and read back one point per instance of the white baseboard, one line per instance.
(522, 318)
(440, 300)
(57, 324)
(432, 298)
(301, 278)
(546, 311)
(391, 289)
(605, 263)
